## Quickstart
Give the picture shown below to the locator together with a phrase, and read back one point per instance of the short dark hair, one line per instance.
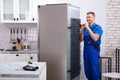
(91, 13)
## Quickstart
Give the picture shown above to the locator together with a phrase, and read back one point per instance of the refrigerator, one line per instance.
(59, 40)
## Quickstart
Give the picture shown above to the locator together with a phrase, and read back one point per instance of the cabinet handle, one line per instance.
(31, 57)
(17, 55)
(14, 19)
(33, 19)
(39, 6)
(17, 19)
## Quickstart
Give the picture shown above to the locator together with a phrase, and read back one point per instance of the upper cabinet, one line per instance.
(18, 11)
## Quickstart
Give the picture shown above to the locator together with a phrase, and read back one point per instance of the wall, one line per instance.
(73, 2)
(113, 28)
(5, 33)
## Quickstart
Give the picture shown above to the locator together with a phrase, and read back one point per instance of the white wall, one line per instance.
(74, 2)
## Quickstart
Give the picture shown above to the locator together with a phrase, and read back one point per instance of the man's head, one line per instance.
(90, 18)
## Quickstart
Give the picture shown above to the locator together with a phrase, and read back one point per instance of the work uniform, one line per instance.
(92, 53)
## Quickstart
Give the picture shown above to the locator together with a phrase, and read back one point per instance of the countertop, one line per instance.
(15, 69)
(19, 52)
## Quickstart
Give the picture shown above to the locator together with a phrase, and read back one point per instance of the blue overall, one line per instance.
(92, 53)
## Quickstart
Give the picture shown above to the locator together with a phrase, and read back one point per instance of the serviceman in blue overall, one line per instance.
(91, 33)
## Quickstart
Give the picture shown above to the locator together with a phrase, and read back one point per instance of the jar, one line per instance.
(26, 46)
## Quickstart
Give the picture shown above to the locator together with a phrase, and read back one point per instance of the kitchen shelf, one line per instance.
(29, 51)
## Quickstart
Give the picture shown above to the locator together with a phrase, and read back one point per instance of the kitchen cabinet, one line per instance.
(34, 10)
(33, 57)
(18, 11)
(2, 57)
(18, 57)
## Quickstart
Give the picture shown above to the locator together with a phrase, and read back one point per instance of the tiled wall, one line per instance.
(5, 33)
(113, 28)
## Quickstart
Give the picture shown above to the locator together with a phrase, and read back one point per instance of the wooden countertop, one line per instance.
(106, 56)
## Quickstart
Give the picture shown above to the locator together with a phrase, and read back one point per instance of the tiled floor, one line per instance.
(82, 74)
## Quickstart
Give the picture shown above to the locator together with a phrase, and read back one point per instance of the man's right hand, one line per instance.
(82, 27)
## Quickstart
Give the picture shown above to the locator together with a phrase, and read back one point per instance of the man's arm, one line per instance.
(94, 36)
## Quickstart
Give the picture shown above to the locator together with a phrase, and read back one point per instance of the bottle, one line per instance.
(26, 42)
(26, 45)
(31, 60)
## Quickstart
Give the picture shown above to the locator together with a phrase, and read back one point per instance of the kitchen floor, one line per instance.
(82, 74)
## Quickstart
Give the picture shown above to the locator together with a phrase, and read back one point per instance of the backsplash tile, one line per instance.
(5, 33)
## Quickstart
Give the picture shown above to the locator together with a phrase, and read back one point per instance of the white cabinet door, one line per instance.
(33, 57)
(43, 74)
(24, 8)
(7, 10)
(16, 57)
(34, 11)
(2, 57)
(18, 11)
(20, 57)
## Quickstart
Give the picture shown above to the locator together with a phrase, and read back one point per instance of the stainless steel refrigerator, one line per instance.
(59, 40)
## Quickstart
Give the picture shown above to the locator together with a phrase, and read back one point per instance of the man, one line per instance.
(91, 34)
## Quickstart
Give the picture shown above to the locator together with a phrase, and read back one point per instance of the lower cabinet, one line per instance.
(2, 57)
(18, 57)
(33, 57)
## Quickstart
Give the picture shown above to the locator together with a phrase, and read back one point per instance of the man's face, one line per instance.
(90, 18)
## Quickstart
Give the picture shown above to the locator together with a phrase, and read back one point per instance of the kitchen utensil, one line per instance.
(26, 44)
(24, 34)
(21, 35)
(14, 41)
(10, 41)
(17, 33)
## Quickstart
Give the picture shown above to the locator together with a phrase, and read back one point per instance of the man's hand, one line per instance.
(86, 26)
